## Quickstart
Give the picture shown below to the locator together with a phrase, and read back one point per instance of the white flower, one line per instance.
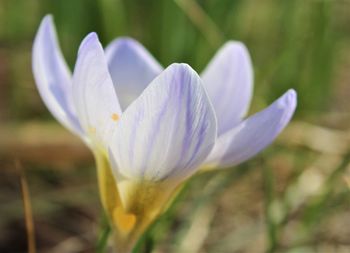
(158, 127)
(228, 80)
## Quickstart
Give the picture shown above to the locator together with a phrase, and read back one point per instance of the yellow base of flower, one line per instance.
(131, 205)
(124, 221)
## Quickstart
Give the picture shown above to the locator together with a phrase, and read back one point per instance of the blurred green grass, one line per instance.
(293, 43)
(301, 44)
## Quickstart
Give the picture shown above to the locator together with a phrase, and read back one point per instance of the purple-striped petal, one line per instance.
(228, 79)
(253, 134)
(132, 68)
(94, 95)
(168, 131)
(53, 77)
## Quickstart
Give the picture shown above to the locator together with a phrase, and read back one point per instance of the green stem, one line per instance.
(104, 235)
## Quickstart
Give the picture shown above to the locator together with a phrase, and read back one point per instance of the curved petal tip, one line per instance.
(126, 42)
(90, 40)
(287, 103)
(47, 19)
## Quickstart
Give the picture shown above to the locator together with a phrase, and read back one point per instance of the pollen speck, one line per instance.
(115, 117)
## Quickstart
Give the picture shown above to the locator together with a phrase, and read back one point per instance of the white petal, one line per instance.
(94, 95)
(132, 68)
(228, 79)
(53, 77)
(253, 134)
(168, 131)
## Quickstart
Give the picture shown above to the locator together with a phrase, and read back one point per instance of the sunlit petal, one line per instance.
(94, 95)
(53, 77)
(168, 131)
(228, 79)
(253, 134)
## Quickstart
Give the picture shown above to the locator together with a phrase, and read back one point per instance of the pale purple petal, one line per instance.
(253, 134)
(94, 95)
(53, 77)
(168, 131)
(228, 79)
(132, 68)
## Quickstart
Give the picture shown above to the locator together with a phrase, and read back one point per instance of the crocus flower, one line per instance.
(228, 80)
(150, 129)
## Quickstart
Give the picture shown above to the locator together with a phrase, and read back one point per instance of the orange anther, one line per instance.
(115, 117)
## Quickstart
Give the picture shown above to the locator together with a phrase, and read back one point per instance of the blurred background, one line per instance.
(293, 197)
